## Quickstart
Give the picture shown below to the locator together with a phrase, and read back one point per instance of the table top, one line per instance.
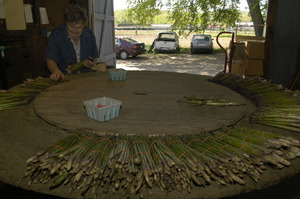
(28, 130)
(149, 104)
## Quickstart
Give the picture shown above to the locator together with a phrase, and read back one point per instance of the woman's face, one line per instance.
(75, 29)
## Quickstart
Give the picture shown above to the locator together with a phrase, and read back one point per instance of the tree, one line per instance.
(195, 15)
(255, 10)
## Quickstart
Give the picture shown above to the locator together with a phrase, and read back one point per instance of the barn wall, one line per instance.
(284, 41)
(25, 49)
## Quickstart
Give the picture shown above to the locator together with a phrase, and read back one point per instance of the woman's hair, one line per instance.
(75, 13)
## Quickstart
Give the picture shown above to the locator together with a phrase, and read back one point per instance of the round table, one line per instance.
(149, 106)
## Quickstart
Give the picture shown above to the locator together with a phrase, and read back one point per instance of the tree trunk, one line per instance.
(256, 16)
(136, 27)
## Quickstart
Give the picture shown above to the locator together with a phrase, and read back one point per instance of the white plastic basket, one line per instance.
(117, 74)
(102, 108)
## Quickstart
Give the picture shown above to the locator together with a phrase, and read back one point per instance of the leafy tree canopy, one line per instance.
(187, 15)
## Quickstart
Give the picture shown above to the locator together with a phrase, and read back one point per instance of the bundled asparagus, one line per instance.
(275, 151)
(276, 107)
(141, 164)
(15, 99)
(73, 69)
(41, 166)
(170, 175)
(224, 165)
(111, 164)
(197, 166)
(40, 83)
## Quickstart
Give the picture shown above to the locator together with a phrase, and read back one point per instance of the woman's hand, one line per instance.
(56, 75)
(90, 62)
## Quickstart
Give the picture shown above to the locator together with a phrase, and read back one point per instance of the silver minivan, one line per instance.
(202, 43)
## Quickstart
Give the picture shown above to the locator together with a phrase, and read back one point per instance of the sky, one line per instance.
(121, 4)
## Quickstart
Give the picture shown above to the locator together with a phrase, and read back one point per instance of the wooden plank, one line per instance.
(239, 38)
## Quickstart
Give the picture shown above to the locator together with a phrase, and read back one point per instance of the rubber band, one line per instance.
(76, 136)
(225, 145)
(184, 153)
(242, 129)
(57, 147)
(286, 116)
(221, 137)
(122, 150)
(242, 147)
(173, 142)
(246, 137)
(154, 142)
(206, 138)
(107, 140)
(92, 139)
(123, 141)
(98, 151)
(138, 141)
(206, 150)
(163, 153)
(229, 131)
(192, 141)
(81, 148)
(225, 134)
(140, 153)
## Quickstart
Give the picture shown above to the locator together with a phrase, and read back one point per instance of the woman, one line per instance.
(70, 43)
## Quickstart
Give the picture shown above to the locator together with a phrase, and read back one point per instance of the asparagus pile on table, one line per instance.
(207, 101)
(277, 107)
(40, 83)
(134, 165)
(15, 99)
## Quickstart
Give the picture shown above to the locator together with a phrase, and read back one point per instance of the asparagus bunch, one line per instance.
(170, 175)
(92, 167)
(40, 83)
(276, 151)
(276, 106)
(133, 166)
(15, 99)
(141, 165)
(41, 166)
(230, 163)
(73, 69)
(211, 101)
(196, 166)
(69, 169)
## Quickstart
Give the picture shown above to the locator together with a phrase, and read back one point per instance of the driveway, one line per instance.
(202, 64)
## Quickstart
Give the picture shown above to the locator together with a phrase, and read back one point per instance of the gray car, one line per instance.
(202, 43)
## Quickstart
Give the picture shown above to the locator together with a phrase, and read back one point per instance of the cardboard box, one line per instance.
(254, 67)
(255, 50)
(238, 50)
(238, 67)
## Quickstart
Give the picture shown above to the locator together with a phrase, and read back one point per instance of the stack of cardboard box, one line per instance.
(248, 59)
(238, 58)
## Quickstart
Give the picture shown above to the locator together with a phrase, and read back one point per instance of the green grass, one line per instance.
(212, 33)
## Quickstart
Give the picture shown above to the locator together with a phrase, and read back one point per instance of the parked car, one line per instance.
(126, 46)
(166, 42)
(202, 43)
